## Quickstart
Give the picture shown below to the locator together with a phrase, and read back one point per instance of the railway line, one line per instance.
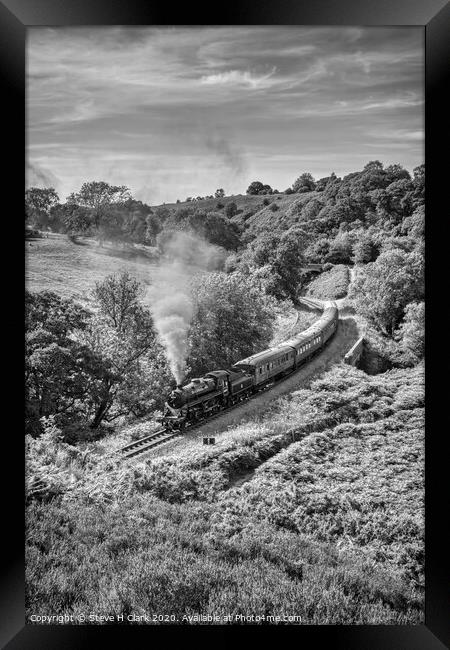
(142, 445)
(145, 444)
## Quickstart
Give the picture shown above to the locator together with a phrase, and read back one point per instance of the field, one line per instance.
(71, 270)
(314, 510)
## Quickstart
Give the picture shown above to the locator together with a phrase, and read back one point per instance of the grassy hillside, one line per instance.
(332, 284)
(71, 270)
(327, 525)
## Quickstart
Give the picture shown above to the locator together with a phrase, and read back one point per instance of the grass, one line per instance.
(57, 264)
(328, 526)
(332, 284)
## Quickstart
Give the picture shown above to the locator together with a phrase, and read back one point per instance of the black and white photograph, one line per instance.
(225, 325)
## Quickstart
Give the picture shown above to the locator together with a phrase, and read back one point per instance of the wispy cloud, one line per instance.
(238, 77)
(211, 103)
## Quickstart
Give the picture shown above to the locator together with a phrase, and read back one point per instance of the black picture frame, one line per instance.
(434, 16)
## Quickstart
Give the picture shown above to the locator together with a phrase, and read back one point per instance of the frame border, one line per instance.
(434, 17)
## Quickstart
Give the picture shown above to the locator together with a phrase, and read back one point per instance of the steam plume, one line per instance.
(169, 297)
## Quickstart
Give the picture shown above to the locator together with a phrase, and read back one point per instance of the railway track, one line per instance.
(312, 302)
(147, 442)
(142, 445)
(158, 437)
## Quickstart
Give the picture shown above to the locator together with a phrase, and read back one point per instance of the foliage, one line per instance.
(382, 289)
(304, 183)
(60, 371)
(212, 226)
(231, 209)
(256, 187)
(365, 249)
(412, 330)
(278, 261)
(38, 205)
(330, 284)
(86, 368)
(232, 319)
(122, 332)
(324, 527)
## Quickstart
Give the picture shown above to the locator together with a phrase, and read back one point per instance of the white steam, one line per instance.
(169, 296)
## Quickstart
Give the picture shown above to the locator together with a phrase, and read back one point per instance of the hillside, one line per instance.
(310, 502)
(71, 270)
(316, 510)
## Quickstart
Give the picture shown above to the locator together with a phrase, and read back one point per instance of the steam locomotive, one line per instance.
(219, 389)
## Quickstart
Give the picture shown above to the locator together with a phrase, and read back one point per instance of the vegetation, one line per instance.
(38, 205)
(317, 530)
(85, 368)
(315, 507)
(88, 367)
(330, 284)
(382, 290)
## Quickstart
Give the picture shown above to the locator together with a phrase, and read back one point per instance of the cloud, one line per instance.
(178, 111)
(239, 78)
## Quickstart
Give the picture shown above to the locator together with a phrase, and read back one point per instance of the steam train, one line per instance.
(219, 389)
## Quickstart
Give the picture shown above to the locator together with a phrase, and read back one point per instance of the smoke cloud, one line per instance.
(169, 297)
(228, 152)
(37, 176)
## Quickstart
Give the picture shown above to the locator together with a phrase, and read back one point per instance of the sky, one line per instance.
(172, 112)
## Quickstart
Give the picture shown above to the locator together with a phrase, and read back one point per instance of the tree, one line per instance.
(311, 209)
(231, 209)
(255, 188)
(304, 183)
(419, 185)
(412, 330)
(282, 259)
(322, 183)
(60, 371)
(365, 250)
(98, 197)
(56, 217)
(232, 319)
(288, 263)
(340, 251)
(221, 232)
(38, 203)
(219, 194)
(382, 289)
(132, 217)
(414, 225)
(124, 335)
(77, 220)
